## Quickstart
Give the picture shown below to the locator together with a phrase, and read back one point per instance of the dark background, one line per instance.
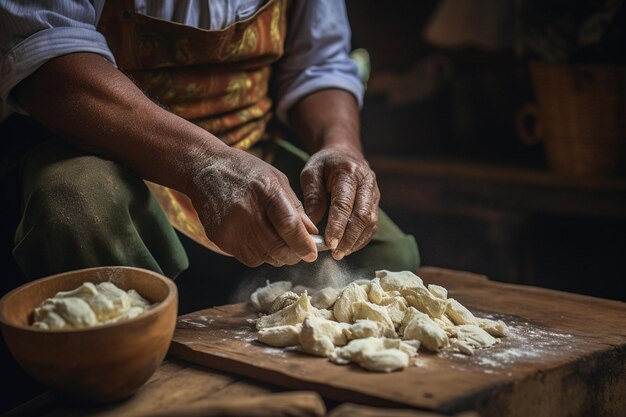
(438, 128)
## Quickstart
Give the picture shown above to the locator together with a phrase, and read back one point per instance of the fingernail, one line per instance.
(333, 243)
(310, 258)
(338, 255)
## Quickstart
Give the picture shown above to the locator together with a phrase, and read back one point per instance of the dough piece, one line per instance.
(106, 304)
(281, 336)
(343, 309)
(424, 301)
(283, 301)
(86, 289)
(294, 314)
(396, 281)
(470, 337)
(396, 307)
(386, 360)
(362, 329)
(445, 323)
(325, 298)
(117, 296)
(58, 313)
(438, 291)
(421, 327)
(126, 315)
(494, 327)
(375, 354)
(376, 292)
(320, 336)
(263, 297)
(367, 310)
(459, 314)
(89, 305)
(323, 313)
(136, 300)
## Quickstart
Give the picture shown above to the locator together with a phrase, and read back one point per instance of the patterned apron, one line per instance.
(217, 79)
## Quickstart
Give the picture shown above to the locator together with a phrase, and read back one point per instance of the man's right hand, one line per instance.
(249, 210)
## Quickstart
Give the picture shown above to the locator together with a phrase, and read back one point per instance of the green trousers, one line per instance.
(80, 210)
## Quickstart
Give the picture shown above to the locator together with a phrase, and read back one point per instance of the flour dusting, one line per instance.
(526, 343)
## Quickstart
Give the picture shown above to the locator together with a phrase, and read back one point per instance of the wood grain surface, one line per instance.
(566, 355)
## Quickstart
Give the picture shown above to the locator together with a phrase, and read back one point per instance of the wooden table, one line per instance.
(589, 379)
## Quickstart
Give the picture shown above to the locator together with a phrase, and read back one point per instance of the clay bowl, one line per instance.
(100, 364)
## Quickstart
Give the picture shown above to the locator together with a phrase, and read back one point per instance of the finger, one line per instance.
(275, 248)
(274, 262)
(314, 193)
(310, 226)
(288, 224)
(367, 234)
(249, 256)
(343, 192)
(360, 219)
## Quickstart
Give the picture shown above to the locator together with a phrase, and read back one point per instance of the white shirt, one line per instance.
(316, 49)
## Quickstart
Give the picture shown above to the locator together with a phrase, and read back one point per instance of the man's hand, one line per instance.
(344, 175)
(246, 206)
(337, 178)
(249, 210)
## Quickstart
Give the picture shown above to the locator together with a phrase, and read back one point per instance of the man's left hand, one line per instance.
(342, 175)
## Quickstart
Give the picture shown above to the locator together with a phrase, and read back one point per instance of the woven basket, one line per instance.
(580, 116)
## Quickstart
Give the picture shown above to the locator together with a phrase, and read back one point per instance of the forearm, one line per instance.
(328, 118)
(98, 109)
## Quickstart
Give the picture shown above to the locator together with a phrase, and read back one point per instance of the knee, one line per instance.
(76, 196)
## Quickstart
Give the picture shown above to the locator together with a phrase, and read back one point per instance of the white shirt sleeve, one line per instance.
(34, 32)
(316, 54)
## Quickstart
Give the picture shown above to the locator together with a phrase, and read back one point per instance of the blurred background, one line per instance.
(497, 131)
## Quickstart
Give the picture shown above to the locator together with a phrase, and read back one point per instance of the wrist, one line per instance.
(342, 143)
(207, 153)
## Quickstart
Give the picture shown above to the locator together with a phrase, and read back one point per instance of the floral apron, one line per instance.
(216, 79)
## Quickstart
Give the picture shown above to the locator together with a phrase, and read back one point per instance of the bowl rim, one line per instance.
(171, 296)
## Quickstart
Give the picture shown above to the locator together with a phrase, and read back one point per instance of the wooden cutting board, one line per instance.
(566, 355)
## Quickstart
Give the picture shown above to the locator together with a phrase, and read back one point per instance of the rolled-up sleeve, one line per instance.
(35, 32)
(316, 54)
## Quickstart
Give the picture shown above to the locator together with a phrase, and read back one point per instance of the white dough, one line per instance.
(375, 354)
(263, 297)
(89, 305)
(424, 301)
(438, 291)
(320, 336)
(325, 298)
(367, 310)
(362, 329)
(396, 281)
(379, 324)
(396, 308)
(376, 292)
(494, 327)
(470, 337)
(351, 294)
(293, 314)
(459, 314)
(420, 327)
(283, 301)
(281, 336)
